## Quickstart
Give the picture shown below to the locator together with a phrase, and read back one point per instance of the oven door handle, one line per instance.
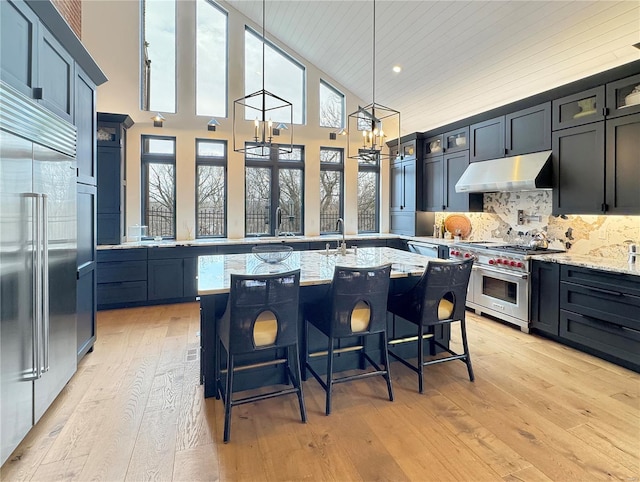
(505, 273)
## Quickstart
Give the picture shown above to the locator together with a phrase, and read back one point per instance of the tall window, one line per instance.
(211, 59)
(159, 55)
(331, 188)
(368, 198)
(331, 106)
(283, 76)
(159, 185)
(211, 188)
(274, 181)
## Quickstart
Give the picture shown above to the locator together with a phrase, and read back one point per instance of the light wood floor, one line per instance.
(135, 411)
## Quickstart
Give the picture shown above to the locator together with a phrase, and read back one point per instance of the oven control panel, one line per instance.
(491, 258)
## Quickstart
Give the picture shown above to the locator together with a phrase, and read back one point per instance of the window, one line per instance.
(159, 185)
(284, 77)
(331, 188)
(368, 199)
(273, 181)
(211, 59)
(159, 55)
(331, 106)
(211, 188)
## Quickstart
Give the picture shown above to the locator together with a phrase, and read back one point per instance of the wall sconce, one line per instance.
(211, 125)
(157, 120)
(341, 132)
(281, 126)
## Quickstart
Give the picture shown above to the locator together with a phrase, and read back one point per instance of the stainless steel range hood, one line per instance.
(518, 173)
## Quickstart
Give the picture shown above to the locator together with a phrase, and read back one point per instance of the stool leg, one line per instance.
(227, 399)
(305, 349)
(465, 345)
(329, 376)
(385, 355)
(298, 384)
(216, 365)
(420, 357)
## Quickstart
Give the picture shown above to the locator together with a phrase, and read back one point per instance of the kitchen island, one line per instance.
(316, 273)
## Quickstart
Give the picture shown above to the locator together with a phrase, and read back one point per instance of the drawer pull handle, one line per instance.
(605, 292)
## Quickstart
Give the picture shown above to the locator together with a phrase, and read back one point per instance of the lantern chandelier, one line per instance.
(365, 124)
(263, 106)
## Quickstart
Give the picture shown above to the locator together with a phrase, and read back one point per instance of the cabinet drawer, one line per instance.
(604, 304)
(614, 340)
(133, 254)
(118, 293)
(620, 282)
(122, 271)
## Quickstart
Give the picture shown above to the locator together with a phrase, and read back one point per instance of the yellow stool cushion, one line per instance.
(265, 329)
(445, 309)
(360, 317)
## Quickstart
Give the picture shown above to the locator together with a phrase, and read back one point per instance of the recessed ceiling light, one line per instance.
(397, 69)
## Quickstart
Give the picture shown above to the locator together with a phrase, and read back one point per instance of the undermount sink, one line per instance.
(336, 252)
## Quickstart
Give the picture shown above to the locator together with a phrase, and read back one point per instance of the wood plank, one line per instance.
(197, 464)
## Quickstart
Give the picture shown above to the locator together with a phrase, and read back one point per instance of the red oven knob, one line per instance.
(491, 261)
(467, 255)
(512, 263)
(452, 252)
(498, 261)
(520, 264)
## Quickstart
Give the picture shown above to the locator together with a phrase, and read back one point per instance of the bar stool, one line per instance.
(438, 298)
(261, 315)
(356, 306)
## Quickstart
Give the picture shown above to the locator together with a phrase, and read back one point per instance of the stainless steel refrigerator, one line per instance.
(38, 245)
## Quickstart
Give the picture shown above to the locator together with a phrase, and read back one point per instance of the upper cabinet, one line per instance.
(623, 97)
(623, 165)
(433, 146)
(521, 132)
(18, 38)
(579, 109)
(487, 140)
(55, 76)
(456, 141)
(528, 130)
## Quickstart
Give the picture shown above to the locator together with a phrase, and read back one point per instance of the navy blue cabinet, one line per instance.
(545, 297)
(111, 176)
(121, 278)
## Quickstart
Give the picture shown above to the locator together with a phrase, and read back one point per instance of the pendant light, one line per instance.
(260, 108)
(367, 122)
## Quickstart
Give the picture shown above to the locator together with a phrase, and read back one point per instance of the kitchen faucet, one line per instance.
(343, 246)
(278, 220)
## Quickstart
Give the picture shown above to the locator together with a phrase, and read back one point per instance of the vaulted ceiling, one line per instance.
(458, 58)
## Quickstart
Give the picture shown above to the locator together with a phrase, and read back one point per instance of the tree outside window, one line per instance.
(271, 181)
(331, 188)
(211, 188)
(331, 106)
(159, 185)
(368, 197)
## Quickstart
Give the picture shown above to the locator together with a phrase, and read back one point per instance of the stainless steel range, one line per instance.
(499, 284)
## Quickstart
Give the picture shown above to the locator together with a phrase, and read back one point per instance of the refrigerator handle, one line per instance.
(45, 284)
(37, 315)
(35, 277)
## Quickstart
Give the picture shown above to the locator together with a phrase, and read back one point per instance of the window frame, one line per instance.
(226, 62)
(335, 167)
(344, 105)
(375, 168)
(218, 162)
(268, 43)
(274, 163)
(147, 158)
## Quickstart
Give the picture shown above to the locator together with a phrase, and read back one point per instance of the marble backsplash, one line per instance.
(580, 234)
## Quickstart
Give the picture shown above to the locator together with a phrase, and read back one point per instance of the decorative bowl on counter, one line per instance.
(272, 254)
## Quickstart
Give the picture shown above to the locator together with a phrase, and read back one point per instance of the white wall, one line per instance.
(111, 32)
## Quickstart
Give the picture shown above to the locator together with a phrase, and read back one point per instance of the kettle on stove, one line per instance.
(539, 241)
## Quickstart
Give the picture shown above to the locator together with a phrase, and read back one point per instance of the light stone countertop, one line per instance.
(316, 267)
(616, 265)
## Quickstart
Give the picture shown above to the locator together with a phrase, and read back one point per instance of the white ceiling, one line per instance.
(458, 58)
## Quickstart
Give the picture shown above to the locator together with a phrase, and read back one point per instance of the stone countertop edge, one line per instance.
(614, 265)
(268, 240)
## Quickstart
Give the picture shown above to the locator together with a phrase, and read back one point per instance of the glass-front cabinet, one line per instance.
(457, 140)
(579, 109)
(623, 97)
(434, 146)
